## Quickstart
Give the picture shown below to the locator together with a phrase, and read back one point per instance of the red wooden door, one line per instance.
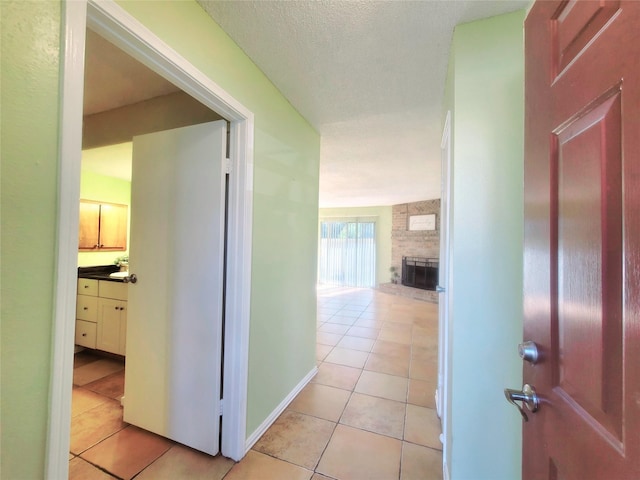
(582, 239)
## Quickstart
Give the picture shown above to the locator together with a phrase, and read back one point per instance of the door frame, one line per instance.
(116, 25)
(443, 391)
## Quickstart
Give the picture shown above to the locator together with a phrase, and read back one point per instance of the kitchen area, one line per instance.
(103, 256)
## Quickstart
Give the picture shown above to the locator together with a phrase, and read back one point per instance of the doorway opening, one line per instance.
(114, 24)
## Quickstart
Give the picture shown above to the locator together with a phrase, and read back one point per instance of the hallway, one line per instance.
(369, 413)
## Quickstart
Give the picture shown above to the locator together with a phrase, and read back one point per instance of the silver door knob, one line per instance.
(527, 396)
(528, 352)
(130, 278)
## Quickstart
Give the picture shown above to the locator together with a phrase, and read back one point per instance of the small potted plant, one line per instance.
(122, 262)
(394, 274)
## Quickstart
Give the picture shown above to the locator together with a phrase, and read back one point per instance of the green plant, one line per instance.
(122, 260)
(394, 274)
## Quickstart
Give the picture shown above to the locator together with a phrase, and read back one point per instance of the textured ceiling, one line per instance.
(369, 76)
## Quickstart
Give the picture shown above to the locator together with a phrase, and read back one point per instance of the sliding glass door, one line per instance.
(347, 253)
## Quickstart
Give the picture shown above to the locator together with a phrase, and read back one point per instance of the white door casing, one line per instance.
(116, 25)
(444, 281)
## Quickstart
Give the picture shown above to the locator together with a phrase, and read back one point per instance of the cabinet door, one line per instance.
(110, 313)
(87, 308)
(89, 226)
(85, 334)
(88, 286)
(113, 227)
(103, 226)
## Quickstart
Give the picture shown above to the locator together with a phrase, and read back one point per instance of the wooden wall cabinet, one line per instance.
(103, 226)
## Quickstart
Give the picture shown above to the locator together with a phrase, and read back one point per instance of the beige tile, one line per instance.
(111, 386)
(430, 341)
(328, 309)
(127, 452)
(83, 400)
(350, 312)
(325, 338)
(258, 466)
(366, 323)
(96, 424)
(367, 315)
(392, 348)
(348, 357)
(429, 354)
(420, 463)
(296, 438)
(374, 414)
(317, 476)
(95, 370)
(322, 351)
(80, 469)
(356, 454)
(396, 327)
(388, 364)
(395, 336)
(422, 426)
(364, 332)
(422, 393)
(382, 385)
(338, 376)
(430, 324)
(356, 343)
(321, 401)
(334, 328)
(423, 369)
(183, 462)
(342, 320)
(400, 318)
(421, 340)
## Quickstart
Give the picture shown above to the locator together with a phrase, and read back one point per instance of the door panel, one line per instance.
(173, 371)
(581, 264)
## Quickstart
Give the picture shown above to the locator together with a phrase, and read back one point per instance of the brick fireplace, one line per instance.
(414, 243)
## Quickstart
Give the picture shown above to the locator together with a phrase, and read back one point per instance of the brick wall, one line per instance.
(425, 243)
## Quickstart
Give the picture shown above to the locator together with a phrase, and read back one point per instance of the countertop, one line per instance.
(100, 272)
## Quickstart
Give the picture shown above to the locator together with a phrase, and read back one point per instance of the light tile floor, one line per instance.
(368, 414)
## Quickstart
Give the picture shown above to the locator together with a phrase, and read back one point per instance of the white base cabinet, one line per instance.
(101, 315)
(112, 321)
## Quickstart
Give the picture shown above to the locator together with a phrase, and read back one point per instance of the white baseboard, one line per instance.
(258, 432)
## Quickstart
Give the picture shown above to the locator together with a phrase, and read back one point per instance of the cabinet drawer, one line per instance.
(85, 334)
(116, 290)
(87, 286)
(87, 308)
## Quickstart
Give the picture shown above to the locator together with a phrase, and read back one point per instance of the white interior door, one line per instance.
(174, 324)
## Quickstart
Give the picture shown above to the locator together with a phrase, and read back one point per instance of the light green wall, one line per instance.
(486, 95)
(101, 188)
(29, 149)
(383, 218)
(282, 337)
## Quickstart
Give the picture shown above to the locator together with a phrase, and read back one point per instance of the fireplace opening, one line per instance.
(420, 272)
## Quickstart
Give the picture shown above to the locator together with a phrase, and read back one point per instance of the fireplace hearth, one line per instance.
(420, 272)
